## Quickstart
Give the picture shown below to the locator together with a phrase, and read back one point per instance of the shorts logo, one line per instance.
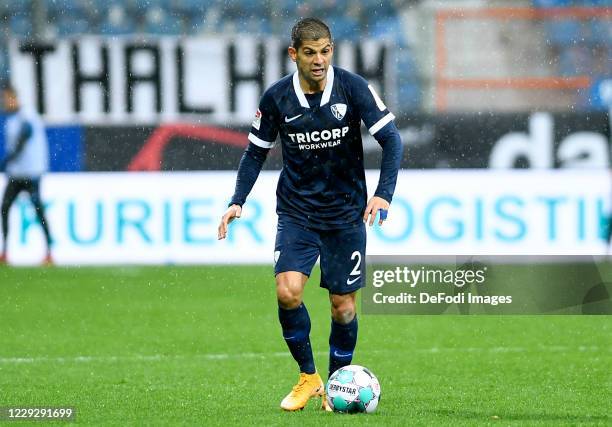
(276, 256)
(338, 110)
(350, 282)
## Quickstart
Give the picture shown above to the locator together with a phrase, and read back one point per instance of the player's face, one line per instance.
(312, 59)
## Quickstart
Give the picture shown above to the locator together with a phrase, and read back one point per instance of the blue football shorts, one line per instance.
(342, 254)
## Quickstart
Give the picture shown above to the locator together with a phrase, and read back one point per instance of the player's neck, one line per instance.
(309, 87)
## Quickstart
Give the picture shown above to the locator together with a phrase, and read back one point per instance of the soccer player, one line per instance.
(27, 158)
(321, 193)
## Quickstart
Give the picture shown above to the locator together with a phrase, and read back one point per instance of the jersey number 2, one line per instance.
(356, 271)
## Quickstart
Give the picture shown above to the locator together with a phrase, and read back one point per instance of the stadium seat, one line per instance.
(253, 8)
(158, 21)
(57, 8)
(254, 26)
(329, 8)
(195, 23)
(409, 89)
(597, 102)
(599, 32)
(288, 7)
(387, 28)
(117, 22)
(11, 7)
(144, 5)
(230, 11)
(20, 25)
(561, 33)
(69, 25)
(596, 3)
(193, 7)
(552, 3)
(101, 7)
(4, 65)
(344, 27)
(376, 9)
(410, 96)
(194, 13)
(246, 11)
(575, 61)
(70, 17)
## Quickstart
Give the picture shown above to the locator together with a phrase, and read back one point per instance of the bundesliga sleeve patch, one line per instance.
(257, 122)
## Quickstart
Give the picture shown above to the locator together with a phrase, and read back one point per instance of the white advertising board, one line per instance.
(166, 218)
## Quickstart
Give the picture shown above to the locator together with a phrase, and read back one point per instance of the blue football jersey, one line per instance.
(322, 183)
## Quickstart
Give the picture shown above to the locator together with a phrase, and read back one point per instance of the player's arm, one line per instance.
(263, 133)
(379, 121)
(24, 135)
(391, 143)
(250, 165)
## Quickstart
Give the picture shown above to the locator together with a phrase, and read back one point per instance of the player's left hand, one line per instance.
(374, 205)
(233, 212)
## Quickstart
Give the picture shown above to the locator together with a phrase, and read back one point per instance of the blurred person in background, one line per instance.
(26, 160)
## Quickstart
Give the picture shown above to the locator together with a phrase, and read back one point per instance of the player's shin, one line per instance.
(342, 342)
(296, 331)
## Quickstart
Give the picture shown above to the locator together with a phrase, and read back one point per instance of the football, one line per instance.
(353, 388)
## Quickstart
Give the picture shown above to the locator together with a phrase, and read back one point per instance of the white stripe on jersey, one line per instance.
(298, 91)
(381, 123)
(260, 142)
(379, 103)
(329, 85)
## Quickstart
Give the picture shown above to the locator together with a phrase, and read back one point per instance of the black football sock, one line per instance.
(296, 331)
(342, 342)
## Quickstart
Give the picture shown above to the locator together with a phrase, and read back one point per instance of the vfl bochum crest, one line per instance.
(339, 110)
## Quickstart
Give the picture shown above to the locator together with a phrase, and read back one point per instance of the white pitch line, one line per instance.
(138, 358)
(250, 355)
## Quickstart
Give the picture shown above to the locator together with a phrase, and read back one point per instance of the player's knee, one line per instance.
(342, 308)
(289, 289)
(288, 301)
(288, 297)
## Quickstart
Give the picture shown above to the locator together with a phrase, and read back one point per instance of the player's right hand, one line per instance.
(233, 212)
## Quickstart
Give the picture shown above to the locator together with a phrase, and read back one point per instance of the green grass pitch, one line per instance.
(202, 346)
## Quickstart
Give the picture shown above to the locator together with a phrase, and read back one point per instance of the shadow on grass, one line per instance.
(474, 415)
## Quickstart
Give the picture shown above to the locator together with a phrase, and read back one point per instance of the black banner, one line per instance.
(167, 148)
(541, 140)
(526, 140)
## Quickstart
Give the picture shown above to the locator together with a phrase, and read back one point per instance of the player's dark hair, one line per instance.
(309, 29)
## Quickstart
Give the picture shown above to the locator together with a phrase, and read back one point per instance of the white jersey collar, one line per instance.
(329, 84)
